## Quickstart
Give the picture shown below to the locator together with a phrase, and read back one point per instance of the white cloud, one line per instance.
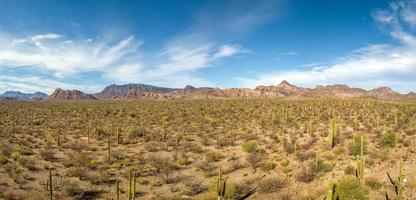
(392, 65)
(228, 50)
(118, 61)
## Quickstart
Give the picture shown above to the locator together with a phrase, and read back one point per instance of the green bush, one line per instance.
(213, 156)
(135, 133)
(267, 166)
(350, 188)
(250, 146)
(388, 139)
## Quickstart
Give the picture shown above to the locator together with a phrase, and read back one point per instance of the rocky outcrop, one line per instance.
(60, 94)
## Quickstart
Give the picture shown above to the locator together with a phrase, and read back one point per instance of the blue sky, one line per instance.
(89, 44)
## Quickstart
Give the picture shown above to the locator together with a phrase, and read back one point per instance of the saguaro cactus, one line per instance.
(50, 184)
(117, 190)
(360, 161)
(333, 134)
(397, 184)
(221, 185)
(317, 163)
(331, 192)
(134, 186)
(130, 183)
(109, 149)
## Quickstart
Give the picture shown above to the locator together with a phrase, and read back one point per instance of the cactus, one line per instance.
(165, 129)
(50, 184)
(333, 134)
(118, 135)
(360, 161)
(130, 183)
(400, 181)
(397, 184)
(221, 185)
(118, 190)
(317, 163)
(331, 192)
(109, 149)
(134, 186)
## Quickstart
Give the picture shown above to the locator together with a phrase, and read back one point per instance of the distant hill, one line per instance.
(116, 91)
(23, 96)
(60, 94)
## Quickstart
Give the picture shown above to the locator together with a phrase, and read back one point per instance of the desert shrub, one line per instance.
(99, 132)
(323, 166)
(194, 187)
(250, 146)
(305, 175)
(196, 148)
(73, 187)
(373, 182)
(209, 169)
(6, 149)
(388, 139)
(254, 159)
(47, 154)
(135, 133)
(97, 177)
(350, 188)
(272, 184)
(76, 172)
(28, 163)
(349, 170)
(213, 156)
(25, 150)
(3, 159)
(267, 166)
(302, 156)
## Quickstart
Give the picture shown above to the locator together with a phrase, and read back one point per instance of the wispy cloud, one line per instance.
(207, 41)
(119, 61)
(372, 66)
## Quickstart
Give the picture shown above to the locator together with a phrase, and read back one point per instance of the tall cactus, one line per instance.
(333, 134)
(117, 190)
(221, 185)
(109, 149)
(50, 184)
(331, 192)
(400, 181)
(397, 184)
(317, 163)
(134, 186)
(130, 183)
(360, 161)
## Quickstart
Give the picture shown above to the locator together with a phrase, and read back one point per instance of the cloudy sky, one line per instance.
(86, 45)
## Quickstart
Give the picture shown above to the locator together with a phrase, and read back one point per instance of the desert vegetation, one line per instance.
(208, 149)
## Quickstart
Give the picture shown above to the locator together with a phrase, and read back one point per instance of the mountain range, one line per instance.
(282, 90)
(16, 95)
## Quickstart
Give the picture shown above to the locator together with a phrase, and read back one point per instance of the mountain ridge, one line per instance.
(282, 90)
(17, 95)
